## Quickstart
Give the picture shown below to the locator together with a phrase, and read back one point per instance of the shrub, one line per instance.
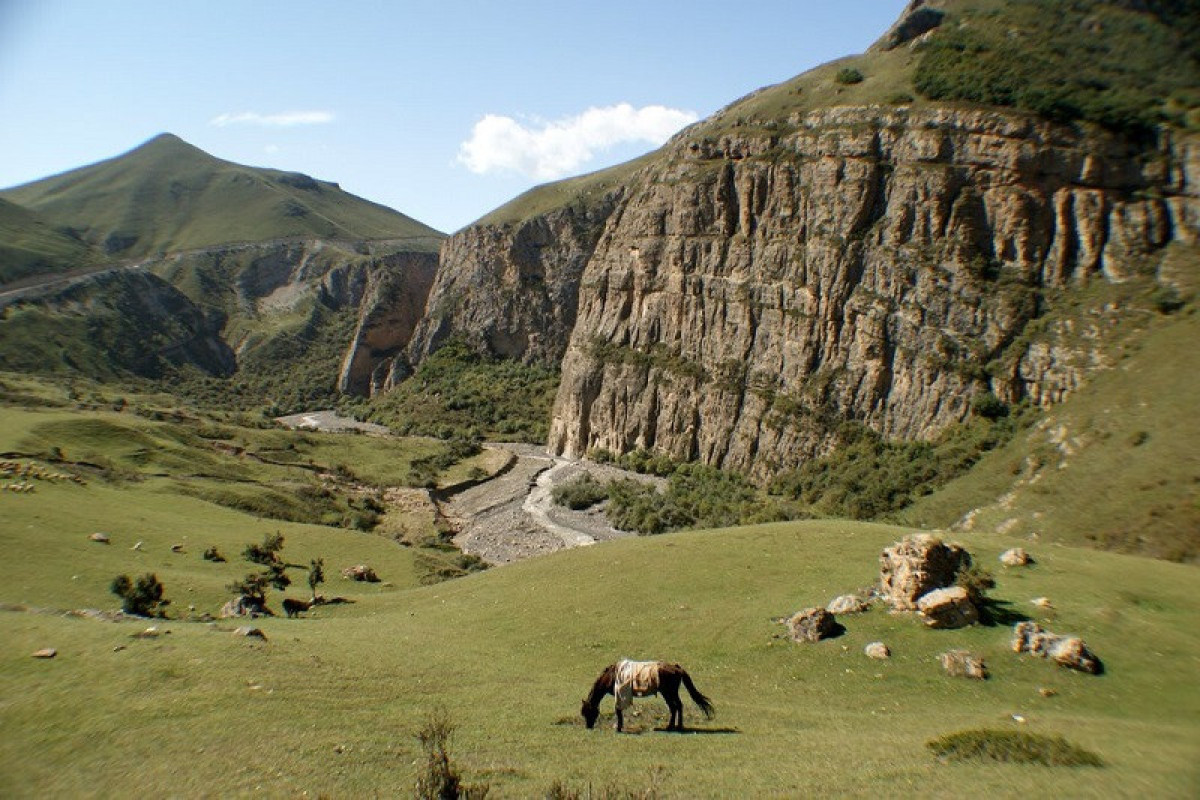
(848, 75)
(579, 493)
(212, 554)
(988, 406)
(438, 778)
(1166, 299)
(1014, 747)
(143, 598)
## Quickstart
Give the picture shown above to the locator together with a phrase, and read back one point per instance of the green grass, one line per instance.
(333, 703)
(458, 393)
(1012, 747)
(167, 196)
(30, 247)
(1115, 466)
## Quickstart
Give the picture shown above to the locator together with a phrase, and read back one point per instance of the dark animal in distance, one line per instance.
(628, 679)
(293, 607)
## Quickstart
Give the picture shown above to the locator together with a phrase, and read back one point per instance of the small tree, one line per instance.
(143, 597)
(316, 575)
(254, 586)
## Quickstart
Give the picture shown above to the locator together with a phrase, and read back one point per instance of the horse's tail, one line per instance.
(705, 704)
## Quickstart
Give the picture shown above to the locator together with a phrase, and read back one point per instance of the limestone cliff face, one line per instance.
(511, 290)
(751, 291)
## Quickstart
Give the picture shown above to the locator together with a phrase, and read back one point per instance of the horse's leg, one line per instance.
(620, 719)
(676, 707)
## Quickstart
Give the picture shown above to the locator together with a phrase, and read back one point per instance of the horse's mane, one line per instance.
(604, 683)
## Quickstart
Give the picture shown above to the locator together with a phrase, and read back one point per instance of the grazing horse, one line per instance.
(293, 607)
(628, 679)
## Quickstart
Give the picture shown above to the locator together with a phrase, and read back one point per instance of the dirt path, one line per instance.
(512, 516)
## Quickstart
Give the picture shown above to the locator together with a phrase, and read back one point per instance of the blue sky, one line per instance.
(440, 109)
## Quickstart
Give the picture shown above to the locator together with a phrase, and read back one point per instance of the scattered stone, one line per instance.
(811, 625)
(101, 538)
(915, 566)
(137, 547)
(1016, 557)
(360, 572)
(45, 652)
(1042, 603)
(150, 633)
(1046, 691)
(963, 664)
(948, 608)
(176, 548)
(877, 650)
(248, 631)
(119, 648)
(847, 604)
(243, 606)
(1066, 651)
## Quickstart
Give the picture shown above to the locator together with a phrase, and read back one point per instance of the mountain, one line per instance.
(984, 210)
(299, 286)
(32, 247)
(168, 196)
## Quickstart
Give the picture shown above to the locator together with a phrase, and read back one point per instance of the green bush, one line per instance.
(579, 493)
(1014, 747)
(848, 76)
(1066, 61)
(143, 597)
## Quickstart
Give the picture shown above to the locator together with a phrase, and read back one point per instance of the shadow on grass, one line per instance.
(696, 730)
(994, 612)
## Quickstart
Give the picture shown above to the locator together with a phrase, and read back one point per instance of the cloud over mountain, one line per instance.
(285, 119)
(546, 150)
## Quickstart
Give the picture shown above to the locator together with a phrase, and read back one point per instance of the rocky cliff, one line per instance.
(872, 264)
(510, 288)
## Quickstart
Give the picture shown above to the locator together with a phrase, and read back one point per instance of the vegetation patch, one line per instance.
(1013, 747)
(1126, 70)
(458, 393)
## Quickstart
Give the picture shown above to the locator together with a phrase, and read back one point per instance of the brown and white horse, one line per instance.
(628, 679)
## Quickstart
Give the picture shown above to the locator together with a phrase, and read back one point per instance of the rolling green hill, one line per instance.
(167, 195)
(31, 247)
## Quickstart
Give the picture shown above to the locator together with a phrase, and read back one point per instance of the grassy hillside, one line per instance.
(167, 195)
(332, 703)
(1116, 466)
(30, 247)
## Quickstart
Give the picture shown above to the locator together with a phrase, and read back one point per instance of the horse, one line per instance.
(293, 607)
(628, 679)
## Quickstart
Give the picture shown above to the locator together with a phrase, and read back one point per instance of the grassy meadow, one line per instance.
(329, 705)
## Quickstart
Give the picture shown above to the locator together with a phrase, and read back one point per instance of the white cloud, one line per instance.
(285, 119)
(548, 150)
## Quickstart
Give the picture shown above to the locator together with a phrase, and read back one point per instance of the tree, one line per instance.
(316, 575)
(254, 586)
(143, 598)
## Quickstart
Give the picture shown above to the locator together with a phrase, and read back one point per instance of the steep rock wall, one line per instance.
(753, 291)
(512, 290)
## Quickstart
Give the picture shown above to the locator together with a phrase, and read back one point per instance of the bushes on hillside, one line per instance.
(143, 597)
(580, 493)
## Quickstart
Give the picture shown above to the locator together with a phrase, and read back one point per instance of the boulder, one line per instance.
(963, 664)
(915, 566)
(242, 606)
(847, 604)
(948, 608)
(811, 625)
(1015, 557)
(360, 572)
(1066, 651)
(101, 538)
(877, 650)
(45, 652)
(246, 630)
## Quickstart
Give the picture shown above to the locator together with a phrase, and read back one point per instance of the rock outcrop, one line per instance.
(916, 565)
(963, 664)
(947, 608)
(756, 288)
(511, 289)
(1066, 651)
(812, 625)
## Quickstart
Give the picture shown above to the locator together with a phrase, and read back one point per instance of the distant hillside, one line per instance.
(29, 246)
(167, 196)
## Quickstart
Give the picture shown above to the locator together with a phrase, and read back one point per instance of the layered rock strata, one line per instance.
(877, 265)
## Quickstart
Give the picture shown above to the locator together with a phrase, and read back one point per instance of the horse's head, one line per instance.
(590, 713)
